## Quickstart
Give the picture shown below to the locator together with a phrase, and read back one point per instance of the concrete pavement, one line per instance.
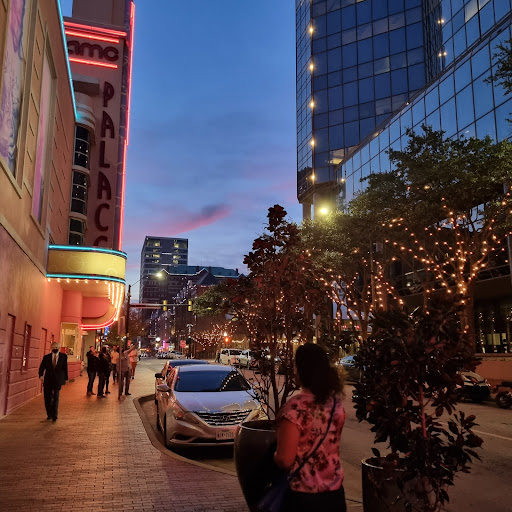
(98, 457)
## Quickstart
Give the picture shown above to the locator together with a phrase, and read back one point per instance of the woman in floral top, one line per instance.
(302, 423)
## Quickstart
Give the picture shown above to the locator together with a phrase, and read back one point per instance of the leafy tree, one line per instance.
(409, 392)
(443, 208)
(345, 256)
(503, 60)
(137, 328)
(275, 303)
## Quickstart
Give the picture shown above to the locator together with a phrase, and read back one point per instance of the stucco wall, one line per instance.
(28, 302)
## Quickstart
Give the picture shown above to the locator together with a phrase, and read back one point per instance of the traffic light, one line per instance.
(165, 305)
(190, 305)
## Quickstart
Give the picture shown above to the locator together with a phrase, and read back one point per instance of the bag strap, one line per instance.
(310, 454)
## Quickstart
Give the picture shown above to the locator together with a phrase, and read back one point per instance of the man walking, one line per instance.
(92, 368)
(53, 372)
(124, 371)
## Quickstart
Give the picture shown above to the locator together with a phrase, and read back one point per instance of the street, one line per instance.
(107, 457)
(484, 489)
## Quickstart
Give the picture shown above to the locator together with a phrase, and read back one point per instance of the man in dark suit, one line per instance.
(54, 367)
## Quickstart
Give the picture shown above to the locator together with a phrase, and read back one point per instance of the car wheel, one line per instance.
(503, 400)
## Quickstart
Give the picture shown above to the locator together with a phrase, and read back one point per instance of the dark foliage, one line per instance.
(411, 369)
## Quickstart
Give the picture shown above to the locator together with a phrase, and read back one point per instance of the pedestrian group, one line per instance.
(105, 363)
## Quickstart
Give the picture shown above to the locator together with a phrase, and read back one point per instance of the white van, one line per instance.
(247, 358)
(229, 356)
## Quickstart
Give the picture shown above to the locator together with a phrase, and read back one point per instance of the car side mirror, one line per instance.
(158, 376)
(164, 388)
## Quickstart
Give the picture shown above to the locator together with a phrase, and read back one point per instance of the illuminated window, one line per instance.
(82, 147)
(76, 231)
(79, 193)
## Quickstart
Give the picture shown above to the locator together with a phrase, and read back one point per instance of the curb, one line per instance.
(162, 449)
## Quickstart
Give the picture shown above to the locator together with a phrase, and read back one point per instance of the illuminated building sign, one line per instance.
(85, 263)
(104, 55)
(93, 50)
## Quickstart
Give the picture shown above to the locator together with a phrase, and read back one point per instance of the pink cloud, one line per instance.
(170, 224)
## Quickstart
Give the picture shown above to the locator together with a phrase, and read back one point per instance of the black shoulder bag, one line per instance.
(275, 493)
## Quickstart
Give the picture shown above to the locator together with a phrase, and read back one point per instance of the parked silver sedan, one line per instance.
(203, 405)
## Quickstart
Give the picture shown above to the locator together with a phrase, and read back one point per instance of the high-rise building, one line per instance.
(159, 253)
(362, 64)
(369, 69)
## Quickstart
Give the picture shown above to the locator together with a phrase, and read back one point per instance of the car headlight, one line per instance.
(180, 414)
(258, 414)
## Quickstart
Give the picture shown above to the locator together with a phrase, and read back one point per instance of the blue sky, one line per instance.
(212, 143)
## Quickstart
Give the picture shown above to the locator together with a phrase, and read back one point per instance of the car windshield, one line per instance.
(234, 352)
(186, 362)
(203, 381)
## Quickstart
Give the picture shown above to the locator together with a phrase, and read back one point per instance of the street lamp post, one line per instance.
(127, 322)
(159, 275)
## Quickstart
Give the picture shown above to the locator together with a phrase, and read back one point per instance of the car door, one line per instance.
(223, 356)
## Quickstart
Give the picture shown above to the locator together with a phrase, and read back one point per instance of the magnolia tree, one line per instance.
(275, 303)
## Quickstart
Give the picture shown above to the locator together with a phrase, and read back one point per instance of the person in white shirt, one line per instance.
(134, 359)
(124, 371)
(114, 358)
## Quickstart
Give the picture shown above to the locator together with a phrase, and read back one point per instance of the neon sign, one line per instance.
(109, 53)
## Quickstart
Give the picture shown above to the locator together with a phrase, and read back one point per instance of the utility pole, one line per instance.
(127, 322)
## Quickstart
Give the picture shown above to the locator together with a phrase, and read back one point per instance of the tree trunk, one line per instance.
(468, 318)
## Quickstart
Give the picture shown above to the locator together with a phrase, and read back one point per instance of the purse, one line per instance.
(273, 497)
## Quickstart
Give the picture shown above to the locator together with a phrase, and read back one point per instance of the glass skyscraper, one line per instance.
(369, 69)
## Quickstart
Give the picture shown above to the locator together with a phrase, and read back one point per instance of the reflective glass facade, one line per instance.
(458, 101)
(358, 62)
(368, 69)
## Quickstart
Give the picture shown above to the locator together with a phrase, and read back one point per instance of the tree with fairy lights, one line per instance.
(346, 256)
(444, 211)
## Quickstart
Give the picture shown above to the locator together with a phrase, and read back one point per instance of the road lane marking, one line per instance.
(493, 435)
(484, 433)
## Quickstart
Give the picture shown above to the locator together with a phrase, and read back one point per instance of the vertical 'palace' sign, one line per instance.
(102, 55)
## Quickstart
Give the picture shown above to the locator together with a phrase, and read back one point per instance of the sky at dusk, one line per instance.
(212, 142)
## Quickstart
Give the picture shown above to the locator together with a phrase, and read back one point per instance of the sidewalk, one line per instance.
(98, 457)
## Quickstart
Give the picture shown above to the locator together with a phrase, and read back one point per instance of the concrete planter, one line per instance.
(381, 492)
(255, 445)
